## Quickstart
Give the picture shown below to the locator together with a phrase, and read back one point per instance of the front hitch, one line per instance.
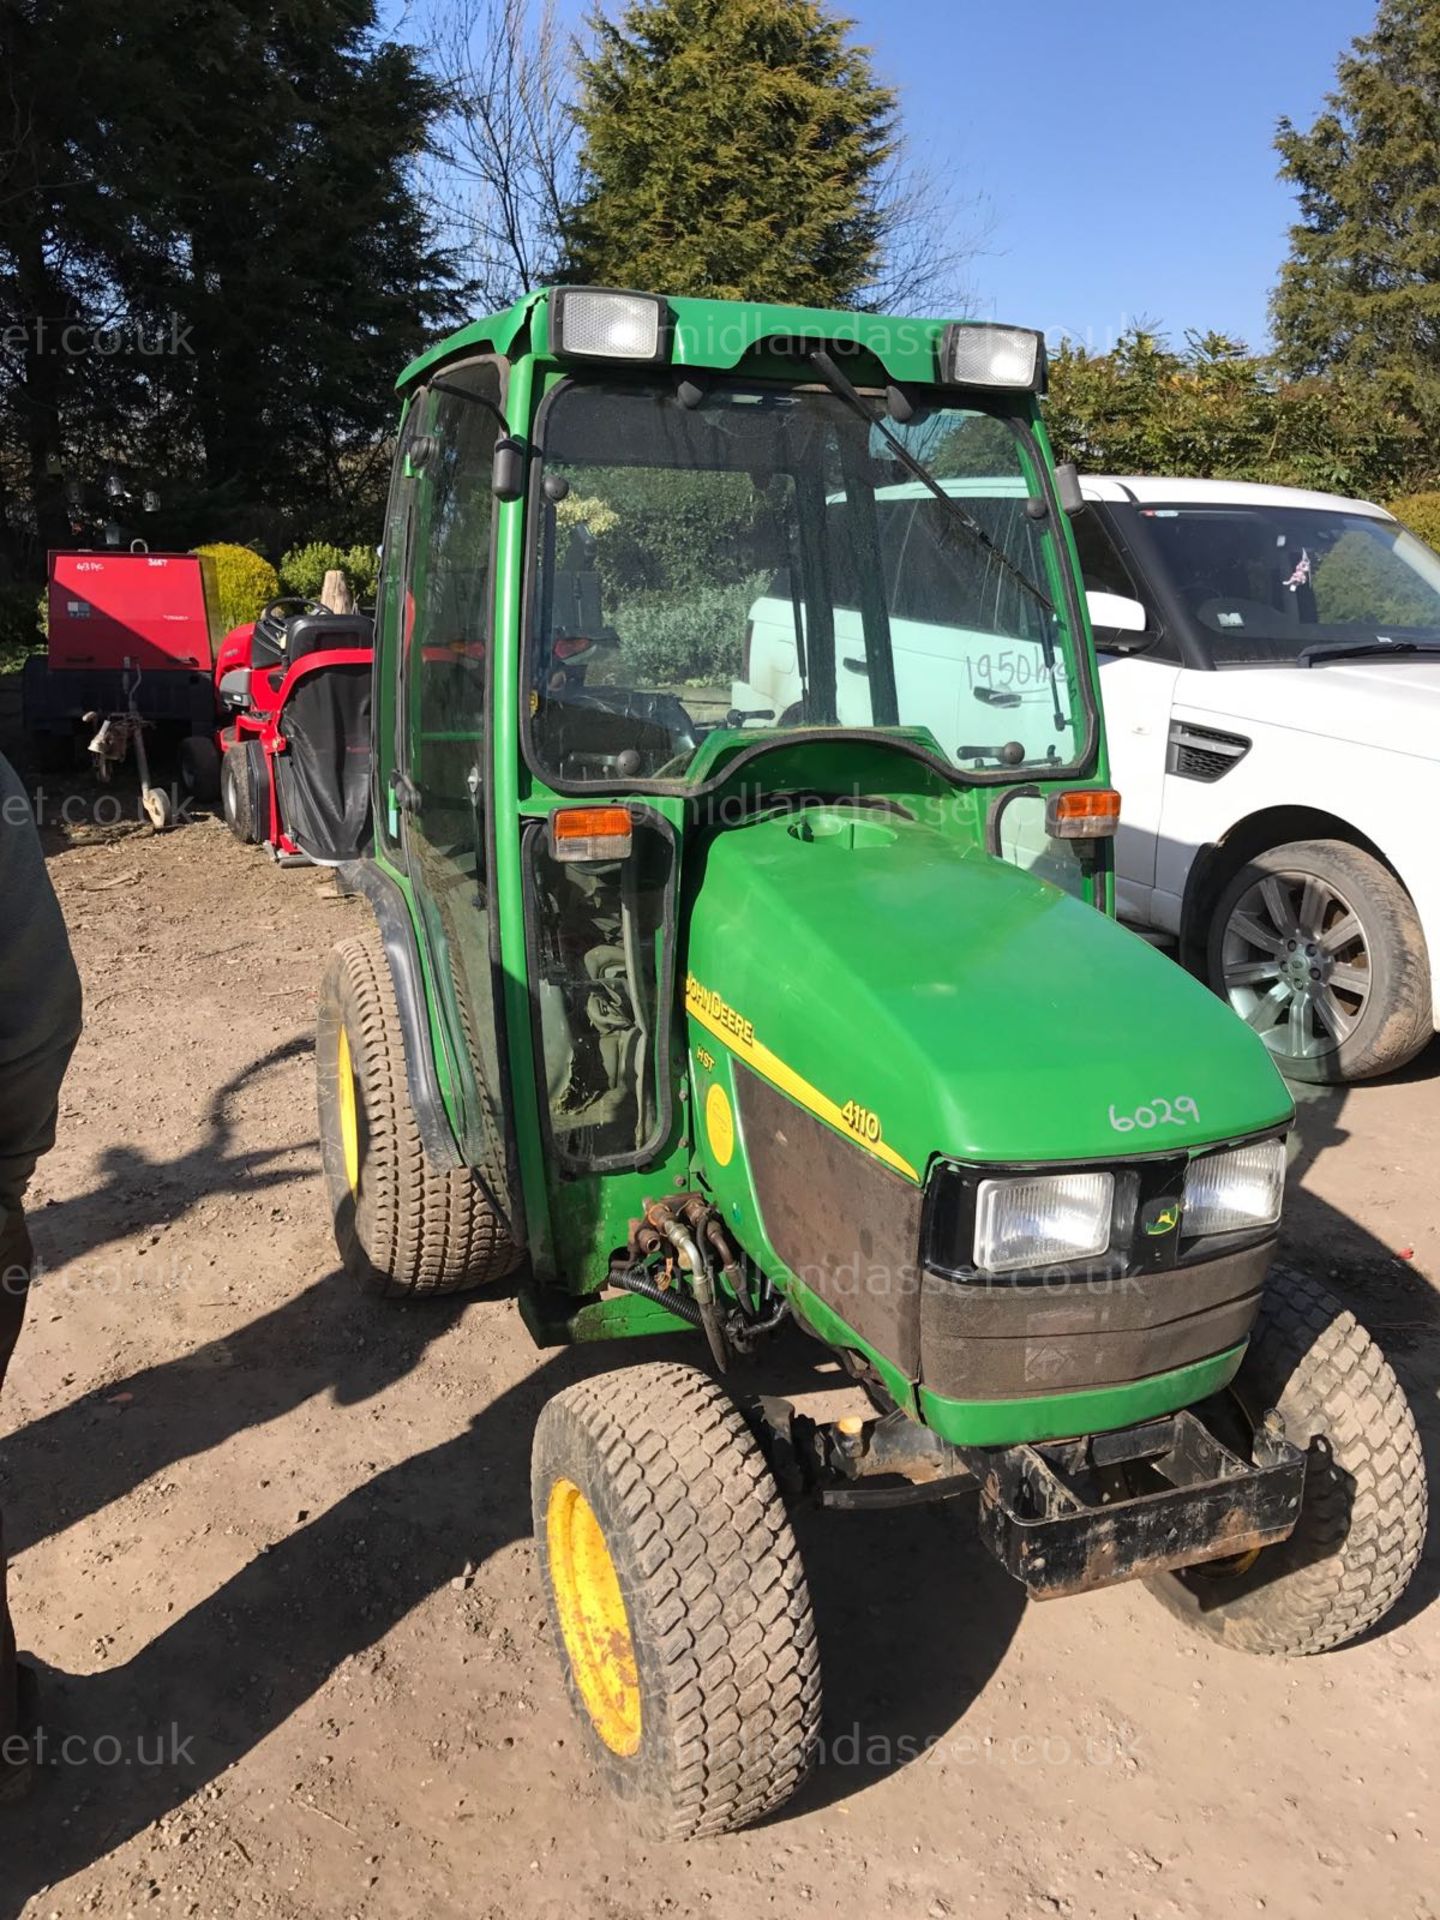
(1061, 1516)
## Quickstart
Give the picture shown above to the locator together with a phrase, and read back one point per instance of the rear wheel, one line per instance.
(678, 1598)
(236, 797)
(199, 760)
(1362, 1518)
(404, 1226)
(1319, 949)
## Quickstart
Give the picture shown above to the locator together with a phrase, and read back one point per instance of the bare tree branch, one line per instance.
(930, 235)
(504, 165)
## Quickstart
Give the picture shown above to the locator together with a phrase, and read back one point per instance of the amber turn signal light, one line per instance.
(590, 833)
(1082, 813)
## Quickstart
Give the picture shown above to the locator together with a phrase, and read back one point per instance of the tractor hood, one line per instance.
(927, 998)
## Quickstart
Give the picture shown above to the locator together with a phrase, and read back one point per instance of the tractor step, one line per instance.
(1064, 1516)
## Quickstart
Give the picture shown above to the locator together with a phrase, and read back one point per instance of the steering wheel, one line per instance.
(298, 605)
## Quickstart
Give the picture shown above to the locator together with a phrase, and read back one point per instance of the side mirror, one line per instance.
(1067, 489)
(1121, 624)
(507, 469)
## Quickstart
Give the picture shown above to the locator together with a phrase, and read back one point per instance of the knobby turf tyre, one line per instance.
(1362, 1521)
(404, 1226)
(1397, 1019)
(235, 800)
(725, 1664)
(199, 764)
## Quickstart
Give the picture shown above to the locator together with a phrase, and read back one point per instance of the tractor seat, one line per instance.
(325, 632)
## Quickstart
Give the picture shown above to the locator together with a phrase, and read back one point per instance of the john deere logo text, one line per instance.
(705, 1001)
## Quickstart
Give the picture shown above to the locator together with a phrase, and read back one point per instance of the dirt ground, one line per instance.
(272, 1546)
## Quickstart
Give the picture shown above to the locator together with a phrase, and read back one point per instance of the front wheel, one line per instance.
(237, 800)
(200, 768)
(1318, 948)
(1362, 1516)
(678, 1597)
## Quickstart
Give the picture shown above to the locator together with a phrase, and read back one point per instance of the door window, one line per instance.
(447, 626)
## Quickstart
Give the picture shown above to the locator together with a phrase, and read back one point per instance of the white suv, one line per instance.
(1270, 670)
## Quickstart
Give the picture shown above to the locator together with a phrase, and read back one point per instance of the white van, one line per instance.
(1270, 671)
(969, 644)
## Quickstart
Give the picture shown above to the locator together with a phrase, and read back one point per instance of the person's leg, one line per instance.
(15, 1258)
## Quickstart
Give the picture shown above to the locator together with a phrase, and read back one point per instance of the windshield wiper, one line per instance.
(1323, 650)
(841, 386)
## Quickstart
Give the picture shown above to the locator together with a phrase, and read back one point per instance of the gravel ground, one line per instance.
(272, 1546)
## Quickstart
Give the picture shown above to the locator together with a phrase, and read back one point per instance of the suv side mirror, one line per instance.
(1121, 625)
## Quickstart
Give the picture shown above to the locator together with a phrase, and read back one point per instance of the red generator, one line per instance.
(295, 745)
(132, 645)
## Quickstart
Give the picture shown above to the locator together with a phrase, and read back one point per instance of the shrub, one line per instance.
(691, 637)
(667, 530)
(303, 569)
(20, 627)
(1358, 584)
(245, 581)
(1420, 512)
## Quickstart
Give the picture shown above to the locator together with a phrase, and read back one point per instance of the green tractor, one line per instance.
(737, 967)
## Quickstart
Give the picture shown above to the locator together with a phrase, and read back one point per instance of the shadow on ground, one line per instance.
(240, 1663)
(135, 1191)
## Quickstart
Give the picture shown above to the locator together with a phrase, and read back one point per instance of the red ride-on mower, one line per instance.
(295, 749)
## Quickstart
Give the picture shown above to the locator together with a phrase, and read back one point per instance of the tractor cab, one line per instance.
(742, 878)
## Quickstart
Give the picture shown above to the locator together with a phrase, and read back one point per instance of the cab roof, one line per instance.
(1152, 489)
(713, 333)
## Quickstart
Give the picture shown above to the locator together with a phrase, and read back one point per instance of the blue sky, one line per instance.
(1122, 152)
(1115, 157)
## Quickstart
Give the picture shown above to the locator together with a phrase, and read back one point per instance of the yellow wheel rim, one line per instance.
(349, 1123)
(593, 1622)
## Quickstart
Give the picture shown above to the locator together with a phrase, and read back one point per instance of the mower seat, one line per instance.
(326, 633)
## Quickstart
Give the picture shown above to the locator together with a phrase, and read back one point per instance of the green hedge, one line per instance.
(669, 639)
(245, 580)
(303, 569)
(661, 543)
(1420, 512)
(21, 631)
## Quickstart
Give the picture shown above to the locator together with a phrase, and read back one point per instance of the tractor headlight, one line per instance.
(1227, 1192)
(1039, 1220)
(979, 356)
(596, 323)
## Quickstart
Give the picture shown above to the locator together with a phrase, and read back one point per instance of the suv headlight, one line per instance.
(1225, 1192)
(1037, 1220)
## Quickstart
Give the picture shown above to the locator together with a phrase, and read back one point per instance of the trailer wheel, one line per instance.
(678, 1599)
(404, 1226)
(156, 802)
(1362, 1518)
(236, 794)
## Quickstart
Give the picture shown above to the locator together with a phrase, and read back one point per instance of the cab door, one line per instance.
(442, 759)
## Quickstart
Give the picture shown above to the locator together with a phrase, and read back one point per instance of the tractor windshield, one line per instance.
(754, 558)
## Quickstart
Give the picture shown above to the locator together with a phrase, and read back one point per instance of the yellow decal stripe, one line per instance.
(738, 1034)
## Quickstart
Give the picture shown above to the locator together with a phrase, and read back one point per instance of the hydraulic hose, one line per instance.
(674, 1302)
